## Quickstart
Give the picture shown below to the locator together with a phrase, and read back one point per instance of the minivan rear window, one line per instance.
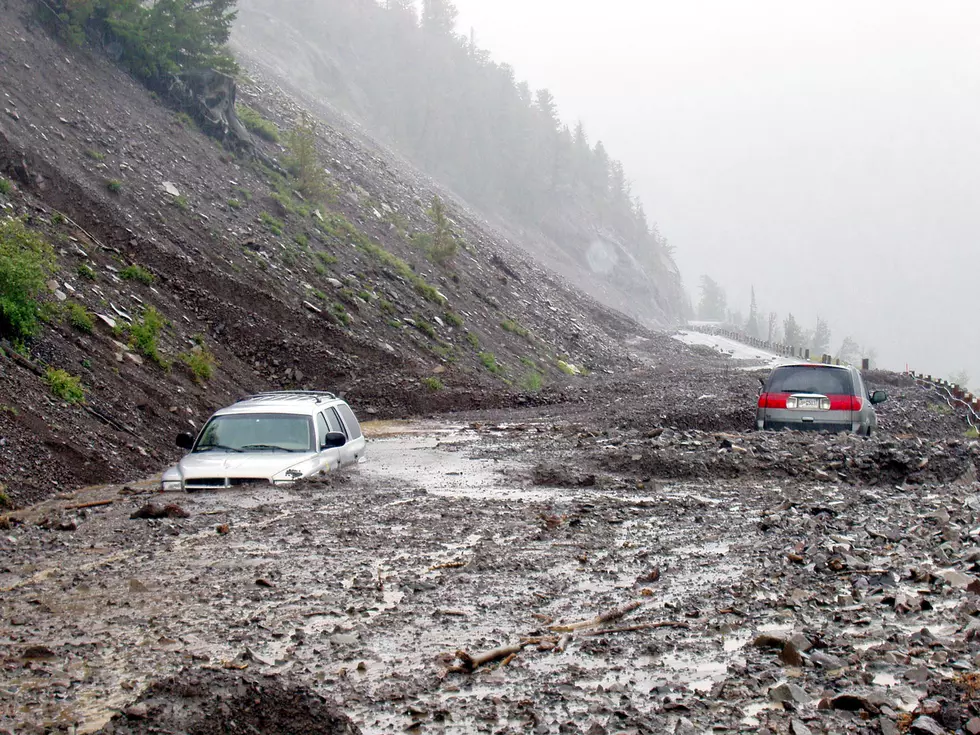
(802, 379)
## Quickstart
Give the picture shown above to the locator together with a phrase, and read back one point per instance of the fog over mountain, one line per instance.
(826, 154)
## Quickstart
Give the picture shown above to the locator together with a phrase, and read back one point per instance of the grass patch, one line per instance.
(272, 224)
(425, 328)
(114, 185)
(386, 306)
(453, 319)
(79, 317)
(200, 361)
(489, 361)
(137, 273)
(256, 124)
(234, 203)
(5, 187)
(532, 381)
(144, 335)
(186, 120)
(94, 154)
(509, 325)
(65, 386)
(86, 271)
(972, 433)
(326, 258)
(473, 340)
(58, 218)
(26, 261)
(340, 312)
(181, 202)
(568, 368)
(432, 384)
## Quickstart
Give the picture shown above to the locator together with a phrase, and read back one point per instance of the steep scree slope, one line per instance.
(234, 260)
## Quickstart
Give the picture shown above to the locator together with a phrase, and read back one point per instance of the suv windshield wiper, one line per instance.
(271, 447)
(209, 447)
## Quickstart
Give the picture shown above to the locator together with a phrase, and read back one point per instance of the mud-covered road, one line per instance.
(625, 603)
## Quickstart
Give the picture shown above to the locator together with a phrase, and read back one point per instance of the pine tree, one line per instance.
(439, 17)
(303, 161)
(713, 306)
(821, 338)
(792, 333)
(752, 327)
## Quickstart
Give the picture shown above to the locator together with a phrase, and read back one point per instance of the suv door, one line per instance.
(354, 449)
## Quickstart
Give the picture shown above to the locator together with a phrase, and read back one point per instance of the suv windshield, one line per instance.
(802, 379)
(257, 432)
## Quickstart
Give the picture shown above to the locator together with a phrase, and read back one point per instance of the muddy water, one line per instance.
(368, 584)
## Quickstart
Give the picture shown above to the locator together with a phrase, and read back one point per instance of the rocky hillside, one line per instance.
(466, 120)
(187, 276)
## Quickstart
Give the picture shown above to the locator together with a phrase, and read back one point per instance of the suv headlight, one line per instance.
(172, 481)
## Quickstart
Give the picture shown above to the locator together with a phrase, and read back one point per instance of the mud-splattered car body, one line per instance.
(277, 438)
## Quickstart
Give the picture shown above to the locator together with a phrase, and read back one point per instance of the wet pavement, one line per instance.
(623, 605)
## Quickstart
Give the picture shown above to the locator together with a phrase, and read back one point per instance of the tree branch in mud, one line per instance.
(606, 617)
(468, 664)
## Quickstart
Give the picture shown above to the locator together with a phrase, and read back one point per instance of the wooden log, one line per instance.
(607, 617)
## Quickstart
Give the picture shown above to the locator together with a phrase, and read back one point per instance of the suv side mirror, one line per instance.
(185, 440)
(879, 396)
(333, 440)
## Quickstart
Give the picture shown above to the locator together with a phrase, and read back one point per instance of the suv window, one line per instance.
(321, 427)
(333, 421)
(353, 428)
(802, 379)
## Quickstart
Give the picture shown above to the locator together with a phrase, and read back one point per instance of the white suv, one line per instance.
(276, 437)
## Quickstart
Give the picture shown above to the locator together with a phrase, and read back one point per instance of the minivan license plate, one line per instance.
(809, 403)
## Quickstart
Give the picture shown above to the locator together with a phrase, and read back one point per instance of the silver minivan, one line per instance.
(276, 437)
(817, 397)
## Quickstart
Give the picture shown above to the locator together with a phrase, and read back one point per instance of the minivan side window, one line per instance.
(353, 428)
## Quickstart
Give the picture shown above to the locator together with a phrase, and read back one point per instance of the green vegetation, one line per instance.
(425, 328)
(531, 381)
(181, 202)
(200, 361)
(5, 501)
(80, 317)
(442, 246)
(86, 271)
(65, 386)
(453, 319)
(972, 433)
(256, 124)
(272, 224)
(5, 187)
(302, 239)
(137, 273)
(303, 163)
(156, 39)
(114, 185)
(490, 363)
(509, 325)
(94, 154)
(432, 384)
(326, 258)
(365, 295)
(234, 203)
(58, 218)
(473, 340)
(143, 335)
(26, 260)
(386, 306)
(568, 369)
(340, 312)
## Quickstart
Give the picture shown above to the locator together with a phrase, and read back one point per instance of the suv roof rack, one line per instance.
(318, 394)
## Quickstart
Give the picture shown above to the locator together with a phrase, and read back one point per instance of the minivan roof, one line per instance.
(299, 402)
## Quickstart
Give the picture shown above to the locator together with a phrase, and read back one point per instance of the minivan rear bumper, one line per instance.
(834, 426)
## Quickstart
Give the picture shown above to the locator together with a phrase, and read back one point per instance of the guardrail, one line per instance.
(802, 353)
(955, 396)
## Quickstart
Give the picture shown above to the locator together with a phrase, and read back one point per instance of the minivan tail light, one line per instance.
(773, 400)
(845, 403)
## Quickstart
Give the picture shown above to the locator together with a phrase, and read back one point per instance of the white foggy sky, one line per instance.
(826, 153)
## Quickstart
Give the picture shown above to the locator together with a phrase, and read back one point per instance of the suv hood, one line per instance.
(235, 465)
